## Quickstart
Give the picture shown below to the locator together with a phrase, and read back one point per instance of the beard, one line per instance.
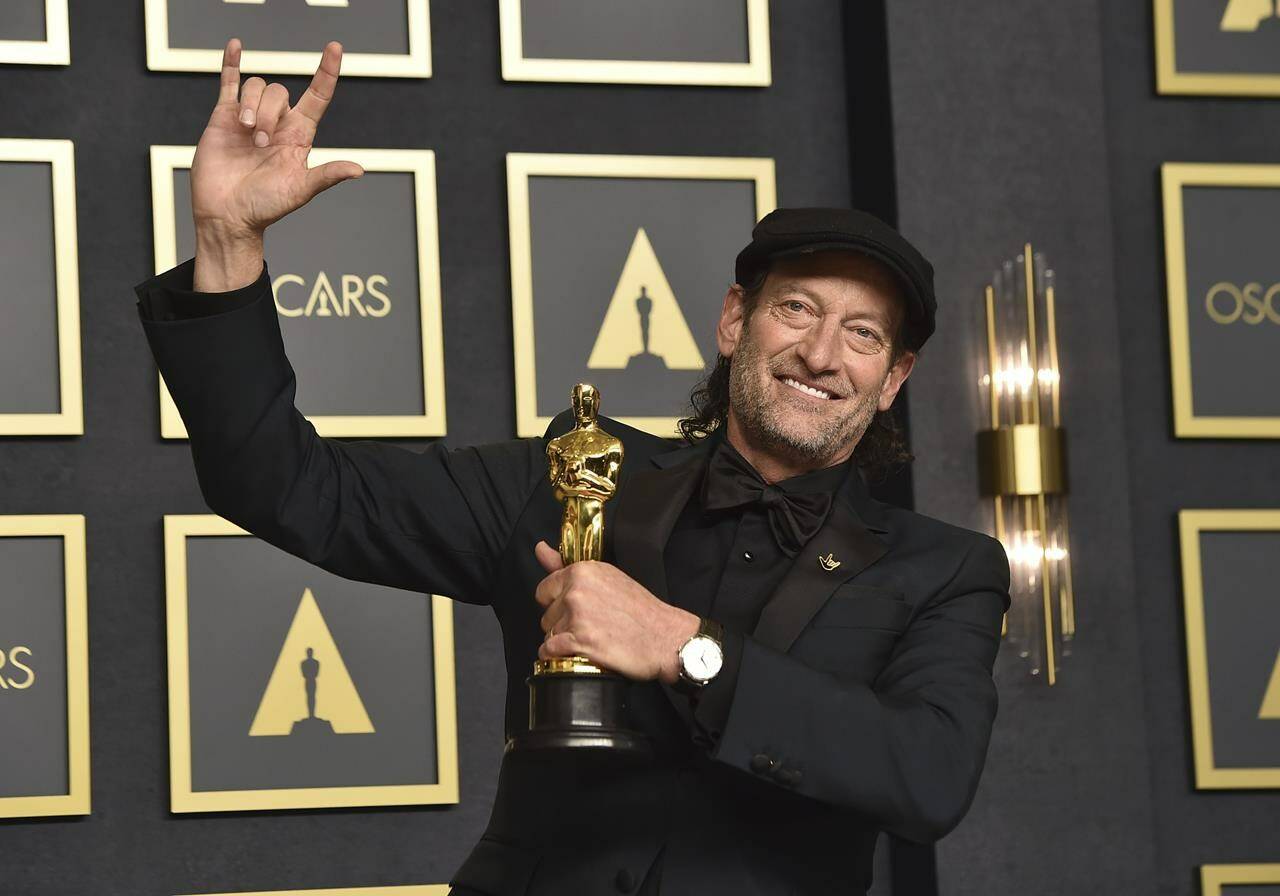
(794, 428)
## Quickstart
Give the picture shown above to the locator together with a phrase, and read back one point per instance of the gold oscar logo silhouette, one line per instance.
(644, 330)
(1270, 708)
(1247, 15)
(310, 691)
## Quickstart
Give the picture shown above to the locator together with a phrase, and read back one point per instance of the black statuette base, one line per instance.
(570, 710)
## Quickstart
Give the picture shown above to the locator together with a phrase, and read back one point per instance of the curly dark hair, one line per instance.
(880, 452)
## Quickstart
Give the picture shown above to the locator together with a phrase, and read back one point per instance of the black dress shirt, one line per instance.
(724, 564)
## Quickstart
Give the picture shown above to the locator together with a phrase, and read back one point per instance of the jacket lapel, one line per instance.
(649, 504)
(647, 510)
(846, 544)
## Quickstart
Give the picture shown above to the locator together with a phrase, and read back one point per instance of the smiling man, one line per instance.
(810, 666)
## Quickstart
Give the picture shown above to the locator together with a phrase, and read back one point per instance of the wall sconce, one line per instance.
(1022, 464)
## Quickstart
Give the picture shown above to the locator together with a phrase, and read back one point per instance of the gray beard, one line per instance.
(762, 424)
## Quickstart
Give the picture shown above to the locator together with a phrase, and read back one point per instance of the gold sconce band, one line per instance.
(1022, 459)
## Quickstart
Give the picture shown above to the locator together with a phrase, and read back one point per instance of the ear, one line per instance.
(894, 379)
(729, 328)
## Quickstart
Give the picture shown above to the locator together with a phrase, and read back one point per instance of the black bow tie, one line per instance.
(794, 518)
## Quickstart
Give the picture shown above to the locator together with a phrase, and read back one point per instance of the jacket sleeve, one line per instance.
(432, 520)
(907, 750)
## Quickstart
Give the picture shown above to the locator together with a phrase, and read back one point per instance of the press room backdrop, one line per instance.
(824, 121)
(1044, 123)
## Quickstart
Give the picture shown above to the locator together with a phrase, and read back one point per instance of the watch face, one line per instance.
(701, 658)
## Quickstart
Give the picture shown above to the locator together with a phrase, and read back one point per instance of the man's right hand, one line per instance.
(250, 167)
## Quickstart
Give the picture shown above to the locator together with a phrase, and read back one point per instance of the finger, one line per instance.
(275, 102)
(229, 86)
(324, 82)
(554, 618)
(560, 644)
(322, 177)
(548, 556)
(549, 589)
(250, 97)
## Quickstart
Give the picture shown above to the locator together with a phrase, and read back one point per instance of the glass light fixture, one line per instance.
(1022, 459)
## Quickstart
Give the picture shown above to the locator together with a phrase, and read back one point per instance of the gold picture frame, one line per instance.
(55, 49)
(755, 72)
(523, 166)
(1214, 877)
(1190, 524)
(1175, 176)
(416, 63)
(411, 890)
(68, 420)
(1169, 80)
(418, 162)
(182, 797)
(71, 529)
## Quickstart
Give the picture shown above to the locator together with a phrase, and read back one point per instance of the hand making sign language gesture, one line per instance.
(250, 167)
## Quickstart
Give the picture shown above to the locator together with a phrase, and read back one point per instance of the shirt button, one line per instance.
(748, 556)
(624, 880)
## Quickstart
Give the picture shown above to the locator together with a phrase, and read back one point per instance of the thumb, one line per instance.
(322, 177)
(548, 556)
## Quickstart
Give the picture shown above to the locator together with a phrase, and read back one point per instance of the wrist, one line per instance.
(226, 258)
(684, 628)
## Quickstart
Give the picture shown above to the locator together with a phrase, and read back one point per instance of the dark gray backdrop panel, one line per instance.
(345, 365)
(1166, 474)
(1239, 571)
(1203, 47)
(581, 231)
(29, 377)
(657, 30)
(22, 20)
(1234, 366)
(33, 615)
(242, 595)
(363, 26)
(124, 478)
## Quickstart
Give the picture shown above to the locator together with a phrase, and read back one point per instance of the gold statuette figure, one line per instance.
(573, 703)
(583, 465)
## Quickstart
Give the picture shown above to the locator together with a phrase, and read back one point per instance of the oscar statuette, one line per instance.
(573, 702)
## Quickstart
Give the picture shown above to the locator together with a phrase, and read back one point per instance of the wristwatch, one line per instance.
(700, 657)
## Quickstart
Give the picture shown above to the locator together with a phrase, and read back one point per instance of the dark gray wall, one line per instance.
(1042, 124)
(124, 478)
(1167, 474)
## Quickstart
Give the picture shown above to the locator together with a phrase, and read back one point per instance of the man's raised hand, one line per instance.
(250, 167)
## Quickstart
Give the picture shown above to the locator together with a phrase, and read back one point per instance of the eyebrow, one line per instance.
(789, 287)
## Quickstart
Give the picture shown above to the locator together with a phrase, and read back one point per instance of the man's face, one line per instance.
(811, 365)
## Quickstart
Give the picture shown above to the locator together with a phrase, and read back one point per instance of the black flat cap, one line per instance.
(793, 231)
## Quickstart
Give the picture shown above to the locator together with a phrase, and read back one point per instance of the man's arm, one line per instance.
(433, 520)
(906, 751)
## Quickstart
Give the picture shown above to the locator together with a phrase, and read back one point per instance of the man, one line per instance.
(811, 666)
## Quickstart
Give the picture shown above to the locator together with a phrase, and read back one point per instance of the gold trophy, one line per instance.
(572, 701)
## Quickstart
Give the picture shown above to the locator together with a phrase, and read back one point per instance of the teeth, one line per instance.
(796, 384)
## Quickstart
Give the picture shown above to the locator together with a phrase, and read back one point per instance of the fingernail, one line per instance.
(246, 118)
(261, 138)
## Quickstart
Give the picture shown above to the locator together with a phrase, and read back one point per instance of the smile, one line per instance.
(807, 389)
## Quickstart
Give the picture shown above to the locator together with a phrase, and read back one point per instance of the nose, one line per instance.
(821, 346)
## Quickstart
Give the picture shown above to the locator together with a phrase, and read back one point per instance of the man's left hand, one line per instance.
(594, 609)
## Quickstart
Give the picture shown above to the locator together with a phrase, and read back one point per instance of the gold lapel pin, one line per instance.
(828, 562)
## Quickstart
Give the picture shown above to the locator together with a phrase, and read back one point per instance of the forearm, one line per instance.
(429, 520)
(905, 749)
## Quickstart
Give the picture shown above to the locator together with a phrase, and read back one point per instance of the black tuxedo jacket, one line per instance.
(863, 700)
